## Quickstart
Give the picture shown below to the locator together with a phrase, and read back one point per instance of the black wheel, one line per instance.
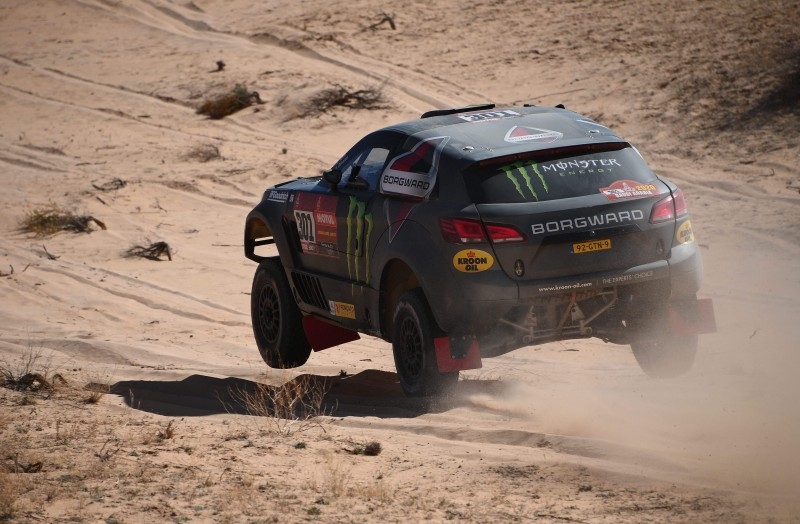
(412, 344)
(277, 321)
(666, 356)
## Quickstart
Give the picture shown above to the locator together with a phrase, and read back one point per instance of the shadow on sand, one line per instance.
(368, 393)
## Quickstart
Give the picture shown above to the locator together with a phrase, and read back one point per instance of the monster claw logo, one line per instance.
(359, 231)
(518, 173)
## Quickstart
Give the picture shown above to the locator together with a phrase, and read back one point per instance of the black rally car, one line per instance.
(472, 232)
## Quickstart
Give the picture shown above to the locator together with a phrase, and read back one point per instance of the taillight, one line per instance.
(669, 208)
(499, 233)
(462, 230)
(469, 231)
(681, 209)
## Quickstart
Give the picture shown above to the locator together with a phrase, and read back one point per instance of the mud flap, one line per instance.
(323, 335)
(693, 318)
(450, 357)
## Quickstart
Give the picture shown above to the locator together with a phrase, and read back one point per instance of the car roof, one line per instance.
(485, 132)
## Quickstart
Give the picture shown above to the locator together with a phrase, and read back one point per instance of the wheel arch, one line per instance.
(260, 231)
(396, 278)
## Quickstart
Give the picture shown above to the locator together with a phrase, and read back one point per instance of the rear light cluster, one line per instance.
(469, 231)
(669, 208)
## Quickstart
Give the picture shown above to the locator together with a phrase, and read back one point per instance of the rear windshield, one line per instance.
(556, 177)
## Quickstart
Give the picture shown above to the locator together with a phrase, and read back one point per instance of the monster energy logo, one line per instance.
(359, 230)
(519, 173)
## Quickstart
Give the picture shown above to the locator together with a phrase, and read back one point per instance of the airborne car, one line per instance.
(471, 232)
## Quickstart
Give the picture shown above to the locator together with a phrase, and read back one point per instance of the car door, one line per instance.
(358, 214)
(337, 227)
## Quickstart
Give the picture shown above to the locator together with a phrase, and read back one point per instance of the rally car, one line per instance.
(474, 231)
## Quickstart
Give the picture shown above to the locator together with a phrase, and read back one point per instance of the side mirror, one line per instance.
(332, 176)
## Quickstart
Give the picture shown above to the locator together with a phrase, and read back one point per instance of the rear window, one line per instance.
(556, 177)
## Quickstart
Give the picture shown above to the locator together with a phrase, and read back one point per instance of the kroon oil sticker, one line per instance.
(685, 233)
(472, 261)
(342, 309)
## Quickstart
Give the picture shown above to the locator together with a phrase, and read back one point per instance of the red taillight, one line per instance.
(663, 210)
(469, 231)
(669, 208)
(462, 230)
(499, 233)
(681, 209)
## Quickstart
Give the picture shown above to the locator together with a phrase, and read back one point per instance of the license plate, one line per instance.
(591, 245)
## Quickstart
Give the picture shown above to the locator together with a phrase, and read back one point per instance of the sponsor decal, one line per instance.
(342, 309)
(587, 222)
(359, 233)
(489, 115)
(521, 175)
(278, 196)
(397, 211)
(532, 134)
(315, 218)
(580, 167)
(684, 234)
(472, 261)
(602, 282)
(622, 189)
(414, 173)
(566, 287)
(627, 278)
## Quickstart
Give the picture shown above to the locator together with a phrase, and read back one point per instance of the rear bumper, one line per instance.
(475, 305)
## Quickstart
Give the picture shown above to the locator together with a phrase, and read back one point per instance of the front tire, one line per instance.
(413, 347)
(277, 321)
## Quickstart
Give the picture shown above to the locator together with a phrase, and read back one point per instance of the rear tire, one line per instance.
(412, 344)
(277, 321)
(667, 356)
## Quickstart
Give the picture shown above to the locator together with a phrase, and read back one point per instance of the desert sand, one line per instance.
(98, 101)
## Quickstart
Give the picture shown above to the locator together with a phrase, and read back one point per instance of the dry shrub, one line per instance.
(96, 392)
(229, 103)
(152, 252)
(52, 219)
(167, 433)
(112, 185)
(204, 153)
(29, 372)
(336, 477)
(9, 495)
(370, 449)
(290, 407)
(343, 96)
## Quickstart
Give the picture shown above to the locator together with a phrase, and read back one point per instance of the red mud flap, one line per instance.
(447, 363)
(693, 318)
(323, 335)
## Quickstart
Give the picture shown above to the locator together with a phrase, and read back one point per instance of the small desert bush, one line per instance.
(290, 407)
(229, 103)
(96, 391)
(343, 96)
(204, 153)
(29, 371)
(9, 495)
(370, 449)
(51, 219)
(153, 251)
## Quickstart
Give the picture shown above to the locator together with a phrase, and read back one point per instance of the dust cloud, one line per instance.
(732, 422)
